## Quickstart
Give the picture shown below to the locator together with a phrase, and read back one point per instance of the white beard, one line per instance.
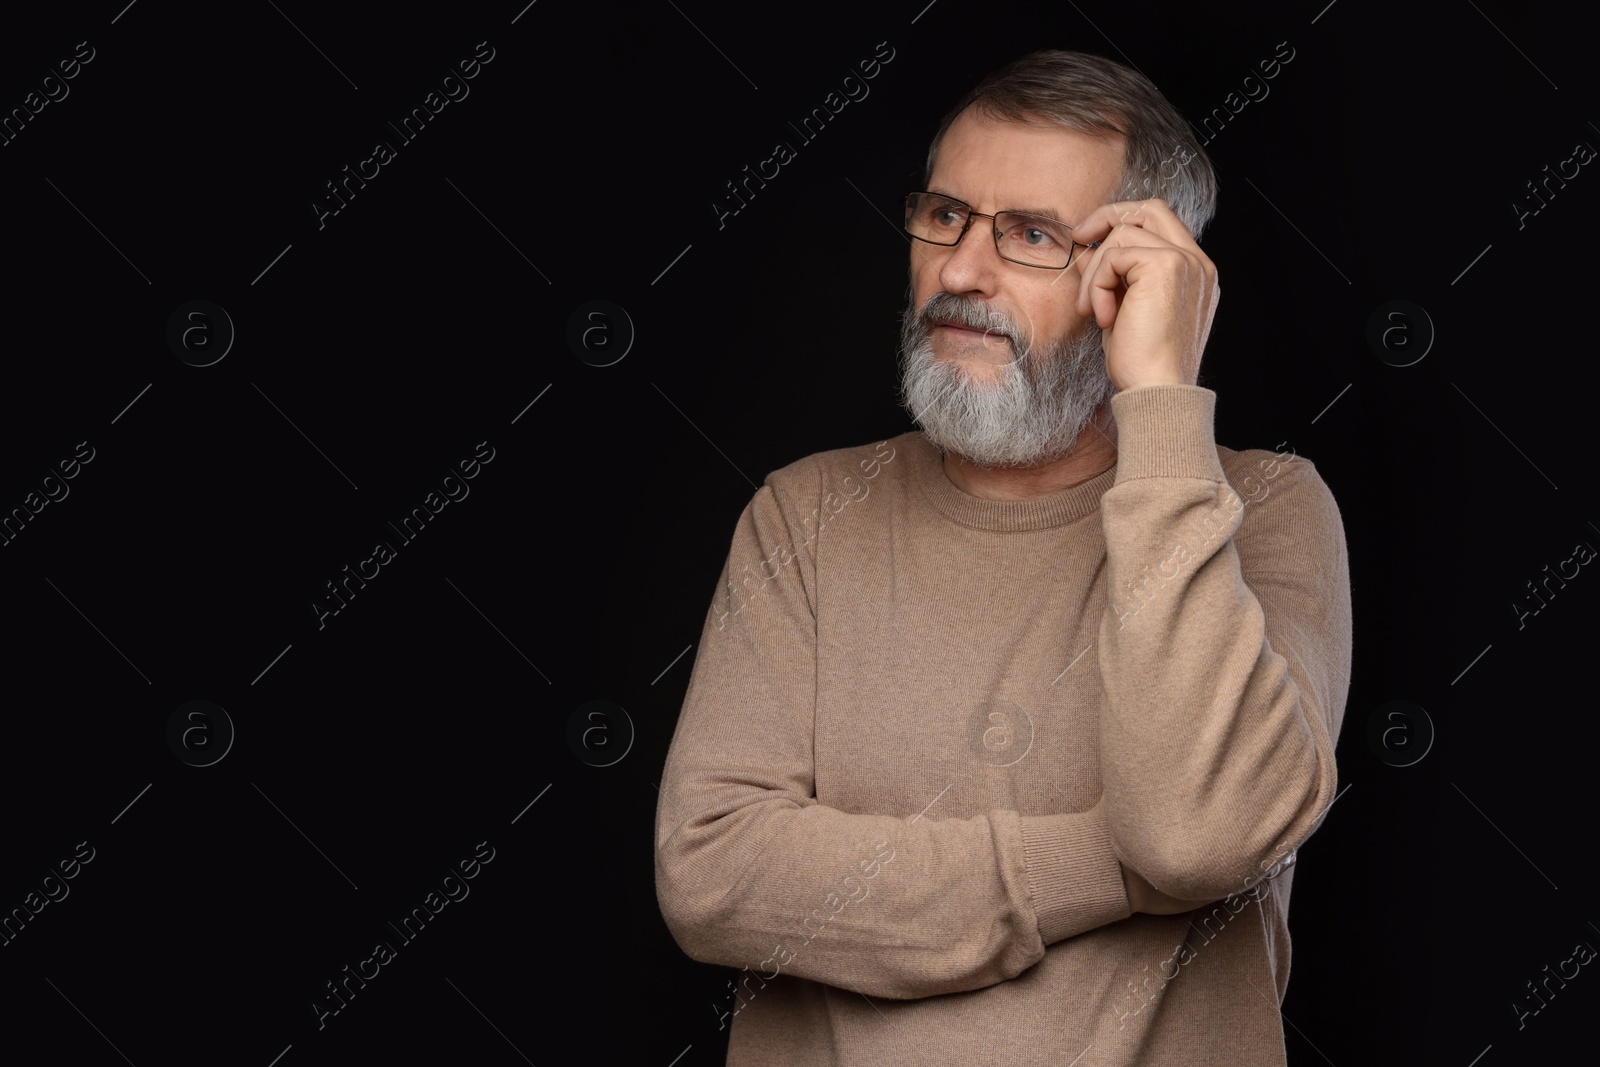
(1035, 410)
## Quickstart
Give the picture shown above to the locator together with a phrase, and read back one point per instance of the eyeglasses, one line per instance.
(1031, 240)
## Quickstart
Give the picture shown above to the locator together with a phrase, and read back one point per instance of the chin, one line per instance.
(974, 368)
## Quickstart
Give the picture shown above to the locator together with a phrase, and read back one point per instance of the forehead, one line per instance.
(994, 164)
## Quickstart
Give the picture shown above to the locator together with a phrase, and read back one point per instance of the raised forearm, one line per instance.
(1225, 656)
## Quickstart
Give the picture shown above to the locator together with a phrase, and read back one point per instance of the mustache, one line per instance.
(964, 311)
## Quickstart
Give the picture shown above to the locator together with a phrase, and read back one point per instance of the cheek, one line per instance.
(924, 276)
(1048, 316)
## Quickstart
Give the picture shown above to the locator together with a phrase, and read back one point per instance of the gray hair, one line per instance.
(1095, 95)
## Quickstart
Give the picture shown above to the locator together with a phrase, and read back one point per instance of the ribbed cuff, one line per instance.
(1073, 874)
(1166, 431)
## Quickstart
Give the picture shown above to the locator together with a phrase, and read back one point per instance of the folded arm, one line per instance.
(751, 871)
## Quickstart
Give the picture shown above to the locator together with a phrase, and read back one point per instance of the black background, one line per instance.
(376, 351)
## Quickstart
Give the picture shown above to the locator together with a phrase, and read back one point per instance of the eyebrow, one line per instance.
(1039, 212)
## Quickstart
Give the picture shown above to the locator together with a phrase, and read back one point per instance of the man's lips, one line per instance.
(971, 331)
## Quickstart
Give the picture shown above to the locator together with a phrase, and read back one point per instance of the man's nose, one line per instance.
(974, 263)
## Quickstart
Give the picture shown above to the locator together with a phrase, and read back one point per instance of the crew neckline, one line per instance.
(1002, 516)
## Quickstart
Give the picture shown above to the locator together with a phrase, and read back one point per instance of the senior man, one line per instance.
(1003, 733)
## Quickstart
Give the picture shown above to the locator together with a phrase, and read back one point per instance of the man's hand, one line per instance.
(1150, 289)
(1147, 899)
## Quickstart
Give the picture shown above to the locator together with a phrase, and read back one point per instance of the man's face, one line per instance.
(999, 368)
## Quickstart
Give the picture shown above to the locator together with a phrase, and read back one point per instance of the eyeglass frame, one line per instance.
(971, 214)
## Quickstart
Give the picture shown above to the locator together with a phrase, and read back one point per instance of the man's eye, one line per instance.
(1035, 236)
(946, 216)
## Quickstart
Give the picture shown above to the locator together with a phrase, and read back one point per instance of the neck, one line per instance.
(1094, 452)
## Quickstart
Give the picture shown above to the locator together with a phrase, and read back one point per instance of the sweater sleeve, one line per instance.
(1225, 651)
(752, 871)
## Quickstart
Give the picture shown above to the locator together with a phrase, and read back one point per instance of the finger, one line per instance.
(1124, 236)
(1115, 268)
(1105, 282)
(1090, 264)
(1106, 303)
(1153, 216)
(1092, 269)
(1107, 271)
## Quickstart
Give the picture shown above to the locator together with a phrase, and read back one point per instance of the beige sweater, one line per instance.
(925, 732)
